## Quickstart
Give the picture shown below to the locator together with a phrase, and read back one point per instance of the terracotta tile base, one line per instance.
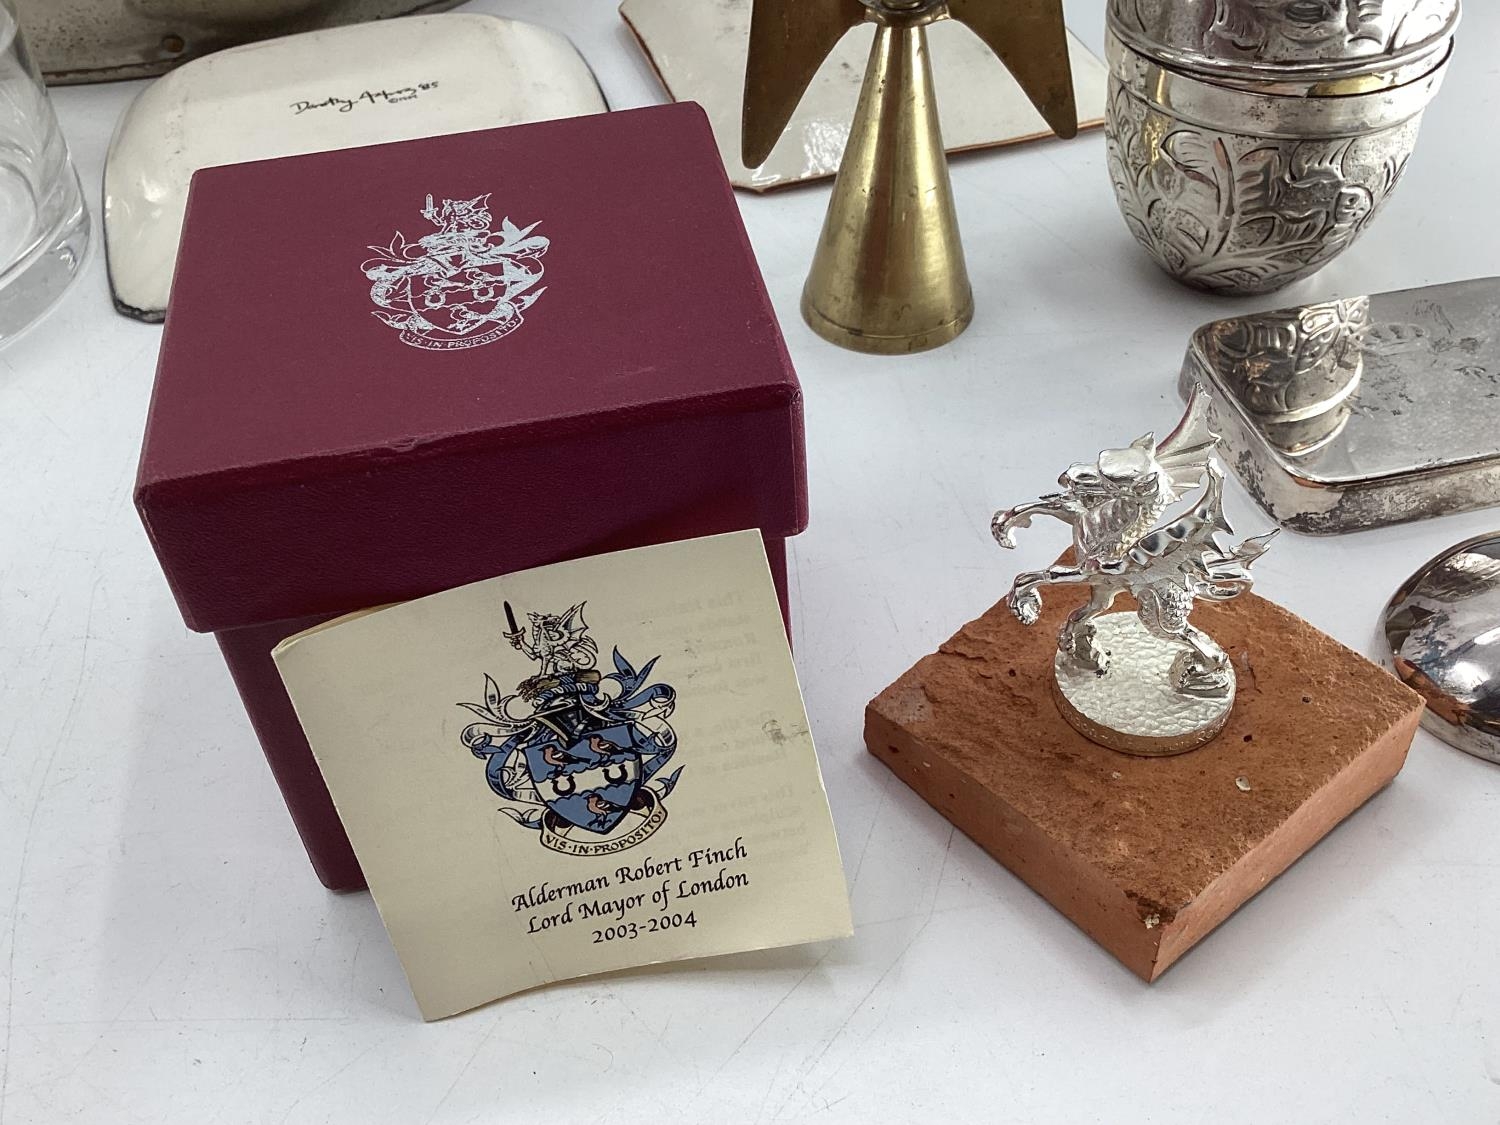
(1147, 855)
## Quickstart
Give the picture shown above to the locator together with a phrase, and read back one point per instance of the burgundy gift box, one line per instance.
(393, 370)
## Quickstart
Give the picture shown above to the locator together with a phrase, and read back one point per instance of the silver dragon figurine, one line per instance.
(1147, 682)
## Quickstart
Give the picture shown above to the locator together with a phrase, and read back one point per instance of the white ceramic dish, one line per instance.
(698, 50)
(340, 88)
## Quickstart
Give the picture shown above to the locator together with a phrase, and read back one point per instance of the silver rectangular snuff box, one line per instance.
(1360, 412)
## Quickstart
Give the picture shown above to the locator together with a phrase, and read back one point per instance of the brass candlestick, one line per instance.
(888, 275)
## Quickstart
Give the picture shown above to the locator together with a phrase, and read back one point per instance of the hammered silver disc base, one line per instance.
(1134, 707)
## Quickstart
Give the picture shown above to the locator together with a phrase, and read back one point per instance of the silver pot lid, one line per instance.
(1312, 39)
(1443, 628)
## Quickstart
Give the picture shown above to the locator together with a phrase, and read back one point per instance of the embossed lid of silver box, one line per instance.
(1323, 39)
(1360, 412)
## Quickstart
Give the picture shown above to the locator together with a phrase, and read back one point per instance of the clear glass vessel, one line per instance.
(44, 225)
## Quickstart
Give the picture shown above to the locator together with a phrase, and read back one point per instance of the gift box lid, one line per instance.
(395, 369)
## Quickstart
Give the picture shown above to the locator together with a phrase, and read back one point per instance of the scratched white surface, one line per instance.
(167, 956)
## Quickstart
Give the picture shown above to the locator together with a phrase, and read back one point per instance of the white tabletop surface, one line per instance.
(167, 955)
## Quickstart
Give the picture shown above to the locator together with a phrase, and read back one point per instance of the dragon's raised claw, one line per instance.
(1026, 605)
(1003, 526)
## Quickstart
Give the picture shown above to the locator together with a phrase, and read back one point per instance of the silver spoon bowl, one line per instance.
(1443, 628)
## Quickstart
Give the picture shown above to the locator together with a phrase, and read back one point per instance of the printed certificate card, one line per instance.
(579, 768)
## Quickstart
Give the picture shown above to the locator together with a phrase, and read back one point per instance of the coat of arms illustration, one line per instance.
(578, 756)
(464, 285)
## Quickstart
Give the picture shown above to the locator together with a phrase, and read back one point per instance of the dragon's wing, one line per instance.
(573, 623)
(579, 647)
(1208, 512)
(1251, 549)
(1185, 452)
(1193, 530)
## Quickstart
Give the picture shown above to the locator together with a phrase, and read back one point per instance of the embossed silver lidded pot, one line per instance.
(1251, 141)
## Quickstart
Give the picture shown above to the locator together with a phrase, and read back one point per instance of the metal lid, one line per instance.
(1313, 39)
(1443, 628)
